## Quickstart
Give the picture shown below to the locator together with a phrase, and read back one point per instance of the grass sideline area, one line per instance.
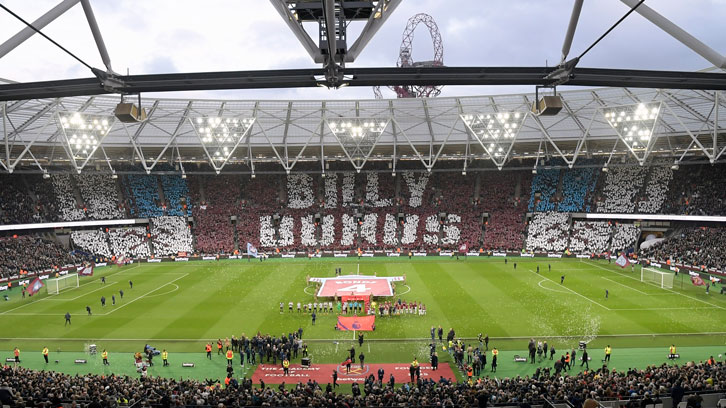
(180, 306)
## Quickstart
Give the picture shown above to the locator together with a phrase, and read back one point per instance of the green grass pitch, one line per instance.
(180, 306)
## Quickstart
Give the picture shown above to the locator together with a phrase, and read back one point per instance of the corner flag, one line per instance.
(35, 286)
(251, 250)
(622, 261)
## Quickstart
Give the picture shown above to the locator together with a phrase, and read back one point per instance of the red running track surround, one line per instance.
(323, 373)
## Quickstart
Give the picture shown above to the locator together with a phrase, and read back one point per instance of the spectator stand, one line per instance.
(170, 236)
(66, 198)
(143, 190)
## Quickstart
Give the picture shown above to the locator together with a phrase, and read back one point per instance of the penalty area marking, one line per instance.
(578, 294)
(653, 284)
(553, 290)
(626, 286)
(50, 297)
(165, 293)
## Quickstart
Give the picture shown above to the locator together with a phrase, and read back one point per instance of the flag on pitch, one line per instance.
(251, 250)
(86, 271)
(622, 261)
(35, 286)
(696, 280)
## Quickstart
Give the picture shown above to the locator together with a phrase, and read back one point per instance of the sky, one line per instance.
(167, 36)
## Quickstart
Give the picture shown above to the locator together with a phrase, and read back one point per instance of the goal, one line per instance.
(660, 278)
(55, 286)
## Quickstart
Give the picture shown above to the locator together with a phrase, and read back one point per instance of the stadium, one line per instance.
(561, 246)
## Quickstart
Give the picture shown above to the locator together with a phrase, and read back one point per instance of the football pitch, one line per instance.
(179, 306)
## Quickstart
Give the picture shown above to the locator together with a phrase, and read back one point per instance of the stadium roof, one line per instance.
(688, 125)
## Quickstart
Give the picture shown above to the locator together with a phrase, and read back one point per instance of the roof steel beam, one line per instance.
(39, 23)
(297, 29)
(305, 78)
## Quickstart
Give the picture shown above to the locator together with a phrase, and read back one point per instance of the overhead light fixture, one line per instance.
(45, 174)
(220, 136)
(496, 132)
(114, 175)
(357, 136)
(675, 166)
(184, 176)
(463, 173)
(635, 125)
(534, 171)
(83, 133)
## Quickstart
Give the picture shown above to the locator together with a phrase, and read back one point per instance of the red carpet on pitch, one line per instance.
(323, 373)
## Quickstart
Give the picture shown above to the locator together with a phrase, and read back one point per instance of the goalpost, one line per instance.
(660, 278)
(56, 285)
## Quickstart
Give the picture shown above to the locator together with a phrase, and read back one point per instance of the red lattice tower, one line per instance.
(405, 58)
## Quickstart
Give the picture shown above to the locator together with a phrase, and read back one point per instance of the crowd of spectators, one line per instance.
(130, 242)
(548, 232)
(622, 186)
(32, 254)
(625, 236)
(639, 386)
(697, 246)
(655, 190)
(170, 236)
(300, 192)
(93, 242)
(143, 191)
(176, 194)
(504, 196)
(697, 190)
(544, 187)
(100, 195)
(455, 195)
(213, 231)
(590, 237)
(578, 185)
(498, 197)
(213, 228)
(67, 205)
(46, 205)
(16, 206)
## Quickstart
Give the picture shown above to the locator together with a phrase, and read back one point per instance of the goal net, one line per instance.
(660, 278)
(55, 286)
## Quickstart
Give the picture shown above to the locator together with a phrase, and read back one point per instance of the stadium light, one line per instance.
(220, 136)
(635, 125)
(496, 132)
(83, 133)
(357, 136)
